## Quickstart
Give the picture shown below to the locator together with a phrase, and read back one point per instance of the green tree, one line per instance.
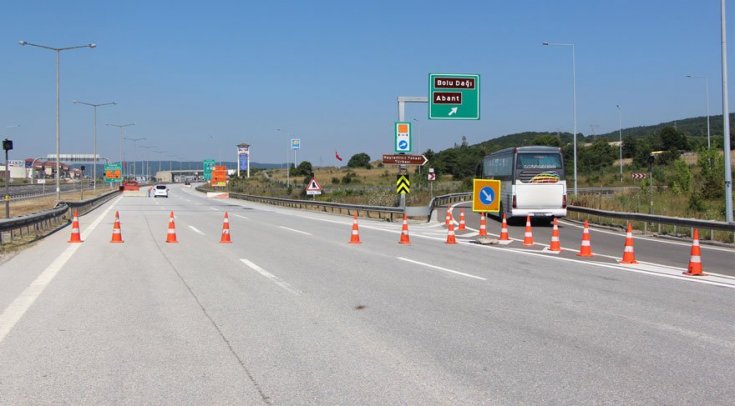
(304, 169)
(673, 139)
(546, 139)
(595, 157)
(711, 182)
(360, 160)
(630, 146)
(681, 180)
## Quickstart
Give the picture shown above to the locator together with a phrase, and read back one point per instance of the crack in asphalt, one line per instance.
(266, 399)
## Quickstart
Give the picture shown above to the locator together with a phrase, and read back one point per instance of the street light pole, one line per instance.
(122, 137)
(706, 95)
(94, 142)
(726, 118)
(574, 104)
(135, 153)
(58, 114)
(147, 163)
(620, 136)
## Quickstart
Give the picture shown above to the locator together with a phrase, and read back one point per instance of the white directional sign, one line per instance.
(313, 188)
(295, 143)
(403, 137)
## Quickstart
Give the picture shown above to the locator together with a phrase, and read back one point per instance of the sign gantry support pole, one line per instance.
(402, 100)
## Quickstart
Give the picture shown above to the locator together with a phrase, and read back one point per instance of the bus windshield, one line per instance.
(539, 161)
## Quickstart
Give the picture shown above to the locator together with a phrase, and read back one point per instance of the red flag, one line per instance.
(336, 154)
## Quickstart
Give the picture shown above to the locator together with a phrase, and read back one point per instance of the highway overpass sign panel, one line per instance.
(454, 96)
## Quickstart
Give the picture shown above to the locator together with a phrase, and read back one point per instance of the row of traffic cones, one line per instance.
(170, 235)
(585, 250)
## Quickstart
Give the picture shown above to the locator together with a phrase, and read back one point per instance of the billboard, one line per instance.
(219, 176)
(243, 159)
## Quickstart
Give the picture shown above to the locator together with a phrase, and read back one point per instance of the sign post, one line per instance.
(454, 96)
(403, 137)
(313, 188)
(486, 195)
(113, 173)
(208, 166)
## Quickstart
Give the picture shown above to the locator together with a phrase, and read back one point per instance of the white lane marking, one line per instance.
(628, 268)
(196, 230)
(242, 217)
(213, 208)
(441, 269)
(644, 238)
(270, 276)
(295, 231)
(15, 311)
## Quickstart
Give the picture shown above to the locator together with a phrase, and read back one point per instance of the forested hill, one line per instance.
(692, 127)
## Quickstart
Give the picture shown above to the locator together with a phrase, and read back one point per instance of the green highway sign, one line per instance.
(113, 173)
(208, 166)
(454, 96)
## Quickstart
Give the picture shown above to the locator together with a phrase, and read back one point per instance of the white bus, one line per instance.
(532, 181)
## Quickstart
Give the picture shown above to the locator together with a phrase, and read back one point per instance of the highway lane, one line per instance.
(291, 313)
(607, 244)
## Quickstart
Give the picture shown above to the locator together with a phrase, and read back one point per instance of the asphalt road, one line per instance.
(290, 313)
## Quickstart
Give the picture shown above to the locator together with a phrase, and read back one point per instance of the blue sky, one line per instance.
(198, 78)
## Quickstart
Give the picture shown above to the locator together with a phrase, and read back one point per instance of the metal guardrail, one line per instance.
(392, 213)
(381, 212)
(37, 224)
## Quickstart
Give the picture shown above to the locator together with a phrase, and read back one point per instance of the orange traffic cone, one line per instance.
(225, 239)
(483, 225)
(171, 236)
(504, 230)
(450, 233)
(116, 235)
(586, 249)
(447, 218)
(462, 224)
(355, 238)
(695, 258)
(75, 235)
(528, 235)
(628, 253)
(555, 245)
(405, 239)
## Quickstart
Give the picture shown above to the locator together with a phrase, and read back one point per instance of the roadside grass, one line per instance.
(39, 204)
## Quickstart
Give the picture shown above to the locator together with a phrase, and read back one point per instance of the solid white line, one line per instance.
(645, 238)
(213, 208)
(270, 276)
(15, 311)
(242, 217)
(441, 269)
(295, 231)
(195, 230)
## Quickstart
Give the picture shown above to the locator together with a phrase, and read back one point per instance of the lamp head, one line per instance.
(21, 42)
(545, 43)
(92, 45)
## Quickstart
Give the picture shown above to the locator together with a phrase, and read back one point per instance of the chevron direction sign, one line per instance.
(639, 175)
(403, 185)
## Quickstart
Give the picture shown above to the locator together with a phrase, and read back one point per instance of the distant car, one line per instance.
(187, 182)
(160, 190)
